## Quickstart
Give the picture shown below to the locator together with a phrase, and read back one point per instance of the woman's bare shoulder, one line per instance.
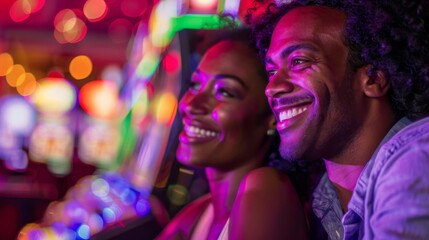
(183, 223)
(267, 179)
(267, 207)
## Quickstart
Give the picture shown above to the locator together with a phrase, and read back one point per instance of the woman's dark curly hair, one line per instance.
(391, 36)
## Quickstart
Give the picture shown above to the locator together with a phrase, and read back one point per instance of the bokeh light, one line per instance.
(95, 10)
(35, 5)
(133, 8)
(80, 67)
(6, 61)
(120, 30)
(99, 98)
(165, 108)
(65, 20)
(77, 33)
(100, 187)
(177, 194)
(29, 85)
(171, 62)
(69, 28)
(54, 96)
(113, 73)
(17, 115)
(16, 76)
(148, 64)
(20, 11)
(83, 231)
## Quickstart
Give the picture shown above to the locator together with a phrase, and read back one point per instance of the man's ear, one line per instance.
(374, 85)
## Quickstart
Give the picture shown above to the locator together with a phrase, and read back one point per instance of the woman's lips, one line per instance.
(193, 134)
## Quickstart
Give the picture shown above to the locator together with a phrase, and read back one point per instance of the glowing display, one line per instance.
(52, 143)
(99, 145)
(54, 96)
(80, 67)
(203, 5)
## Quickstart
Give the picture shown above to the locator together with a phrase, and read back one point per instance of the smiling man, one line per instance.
(349, 84)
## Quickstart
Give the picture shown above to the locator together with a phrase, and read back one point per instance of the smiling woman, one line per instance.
(228, 130)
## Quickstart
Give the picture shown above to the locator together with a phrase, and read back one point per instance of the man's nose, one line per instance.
(278, 85)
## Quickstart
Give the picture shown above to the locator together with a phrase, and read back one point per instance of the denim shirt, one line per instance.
(391, 197)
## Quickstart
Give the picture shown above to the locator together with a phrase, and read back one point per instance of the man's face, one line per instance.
(311, 89)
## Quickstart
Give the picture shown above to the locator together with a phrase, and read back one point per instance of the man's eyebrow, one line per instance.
(285, 52)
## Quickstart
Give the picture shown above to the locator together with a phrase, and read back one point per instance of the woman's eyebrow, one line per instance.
(230, 76)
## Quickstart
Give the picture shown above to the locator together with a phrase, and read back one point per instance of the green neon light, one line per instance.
(198, 21)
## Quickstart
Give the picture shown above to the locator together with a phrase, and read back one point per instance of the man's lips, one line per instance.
(291, 115)
(291, 112)
(287, 108)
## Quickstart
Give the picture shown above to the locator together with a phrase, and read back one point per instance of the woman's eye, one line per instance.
(195, 86)
(271, 72)
(222, 92)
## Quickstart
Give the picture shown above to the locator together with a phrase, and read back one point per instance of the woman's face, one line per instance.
(225, 112)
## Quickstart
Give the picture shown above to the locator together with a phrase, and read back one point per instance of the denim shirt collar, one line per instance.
(326, 205)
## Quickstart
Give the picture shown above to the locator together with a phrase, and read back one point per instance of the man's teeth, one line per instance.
(291, 113)
(198, 132)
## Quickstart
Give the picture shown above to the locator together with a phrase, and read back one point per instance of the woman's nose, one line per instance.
(195, 104)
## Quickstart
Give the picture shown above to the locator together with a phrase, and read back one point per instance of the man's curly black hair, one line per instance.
(391, 36)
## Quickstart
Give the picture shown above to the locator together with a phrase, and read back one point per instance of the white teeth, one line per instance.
(290, 113)
(193, 131)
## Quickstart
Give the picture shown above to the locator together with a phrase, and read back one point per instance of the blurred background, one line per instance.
(87, 87)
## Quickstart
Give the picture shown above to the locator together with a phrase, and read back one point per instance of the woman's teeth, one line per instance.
(199, 132)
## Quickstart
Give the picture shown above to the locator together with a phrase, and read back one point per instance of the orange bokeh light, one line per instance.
(6, 61)
(95, 10)
(99, 99)
(80, 67)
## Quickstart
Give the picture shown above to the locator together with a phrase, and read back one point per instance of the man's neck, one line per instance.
(344, 177)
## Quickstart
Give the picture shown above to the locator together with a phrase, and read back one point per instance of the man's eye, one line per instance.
(297, 61)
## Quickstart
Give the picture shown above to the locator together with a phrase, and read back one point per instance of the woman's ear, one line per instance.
(373, 85)
(271, 126)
